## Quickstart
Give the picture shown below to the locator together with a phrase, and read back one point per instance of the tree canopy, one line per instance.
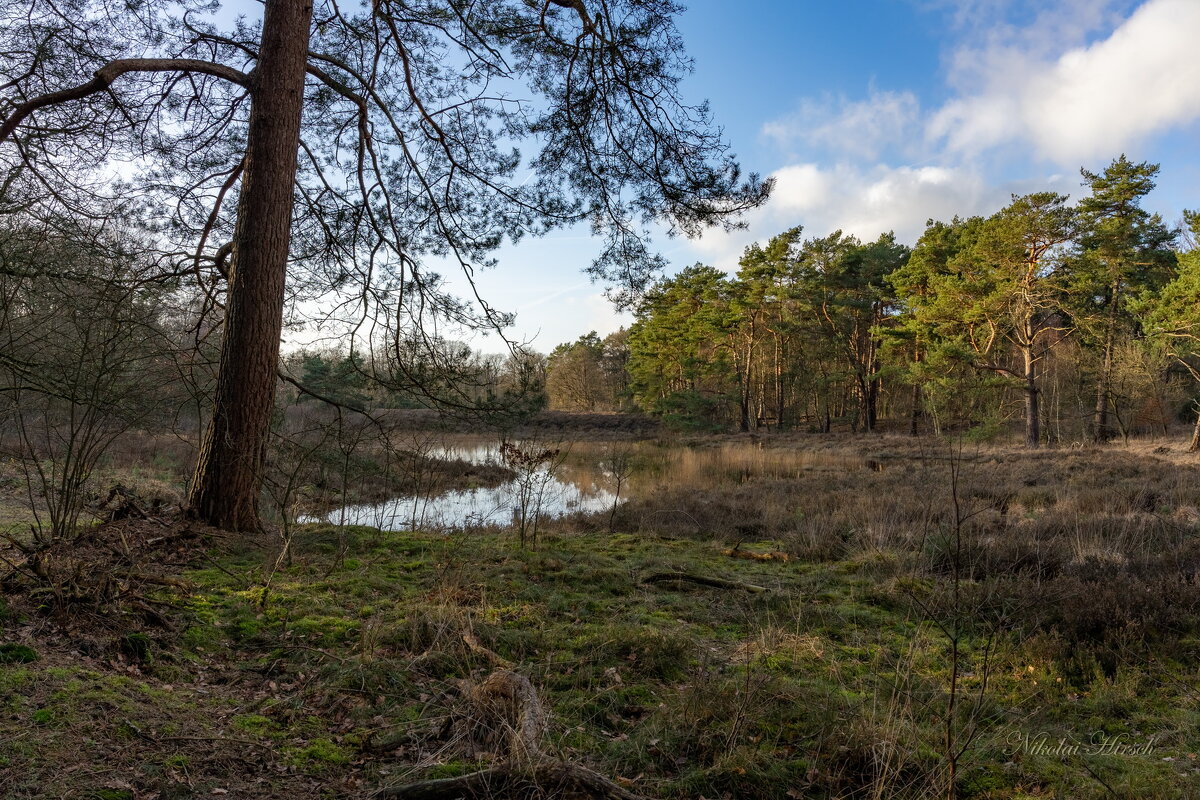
(333, 151)
(1054, 314)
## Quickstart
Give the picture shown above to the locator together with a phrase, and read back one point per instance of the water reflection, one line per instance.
(586, 478)
(567, 488)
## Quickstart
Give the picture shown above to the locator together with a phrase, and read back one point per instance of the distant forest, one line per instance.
(1073, 322)
(1068, 323)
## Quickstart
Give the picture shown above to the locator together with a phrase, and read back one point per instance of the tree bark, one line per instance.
(873, 386)
(915, 418)
(1100, 428)
(1033, 433)
(1195, 444)
(744, 376)
(228, 477)
(779, 398)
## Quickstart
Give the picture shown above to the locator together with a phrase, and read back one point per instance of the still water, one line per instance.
(584, 477)
(577, 481)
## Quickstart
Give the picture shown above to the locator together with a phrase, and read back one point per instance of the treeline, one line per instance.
(1072, 321)
(439, 374)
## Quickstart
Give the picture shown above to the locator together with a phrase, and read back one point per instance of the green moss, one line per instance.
(137, 647)
(11, 653)
(451, 769)
(253, 723)
(13, 679)
(246, 628)
(318, 755)
(755, 694)
(176, 761)
(111, 794)
(325, 630)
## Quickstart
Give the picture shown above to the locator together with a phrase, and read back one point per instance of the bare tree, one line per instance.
(82, 360)
(350, 145)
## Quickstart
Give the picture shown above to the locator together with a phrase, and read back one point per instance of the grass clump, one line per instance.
(11, 653)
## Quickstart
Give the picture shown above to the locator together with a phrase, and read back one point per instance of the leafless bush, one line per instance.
(535, 466)
(82, 360)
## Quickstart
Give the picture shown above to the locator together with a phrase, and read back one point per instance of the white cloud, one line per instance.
(800, 188)
(1091, 100)
(1072, 82)
(864, 201)
(861, 129)
(998, 36)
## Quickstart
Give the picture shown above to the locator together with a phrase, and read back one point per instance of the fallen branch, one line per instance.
(478, 647)
(160, 580)
(737, 552)
(702, 580)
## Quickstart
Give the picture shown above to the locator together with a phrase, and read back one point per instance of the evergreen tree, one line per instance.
(679, 366)
(1123, 251)
(349, 143)
(988, 292)
(1172, 317)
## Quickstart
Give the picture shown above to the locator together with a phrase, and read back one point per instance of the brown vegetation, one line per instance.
(778, 623)
(576, 426)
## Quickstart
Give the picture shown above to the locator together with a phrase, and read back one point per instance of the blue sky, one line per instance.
(875, 115)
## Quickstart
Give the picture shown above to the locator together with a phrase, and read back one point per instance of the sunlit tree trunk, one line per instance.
(779, 399)
(1100, 427)
(1033, 434)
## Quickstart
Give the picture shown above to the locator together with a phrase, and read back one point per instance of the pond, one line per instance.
(579, 477)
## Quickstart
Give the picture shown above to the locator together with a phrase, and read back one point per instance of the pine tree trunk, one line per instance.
(779, 399)
(1100, 429)
(873, 387)
(1033, 434)
(745, 377)
(228, 475)
(744, 405)
(1195, 444)
(914, 420)
(865, 411)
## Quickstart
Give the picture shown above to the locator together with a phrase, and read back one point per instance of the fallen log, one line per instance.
(701, 580)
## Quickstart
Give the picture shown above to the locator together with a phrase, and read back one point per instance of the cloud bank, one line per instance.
(1076, 84)
(1091, 101)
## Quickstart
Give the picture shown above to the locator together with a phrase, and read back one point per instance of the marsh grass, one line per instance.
(1078, 588)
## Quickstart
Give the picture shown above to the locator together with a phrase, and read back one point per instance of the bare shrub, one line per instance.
(81, 363)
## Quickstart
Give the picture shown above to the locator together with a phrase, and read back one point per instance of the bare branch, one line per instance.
(105, 76)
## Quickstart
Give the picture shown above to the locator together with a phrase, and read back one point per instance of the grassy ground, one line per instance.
(1067, 579)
